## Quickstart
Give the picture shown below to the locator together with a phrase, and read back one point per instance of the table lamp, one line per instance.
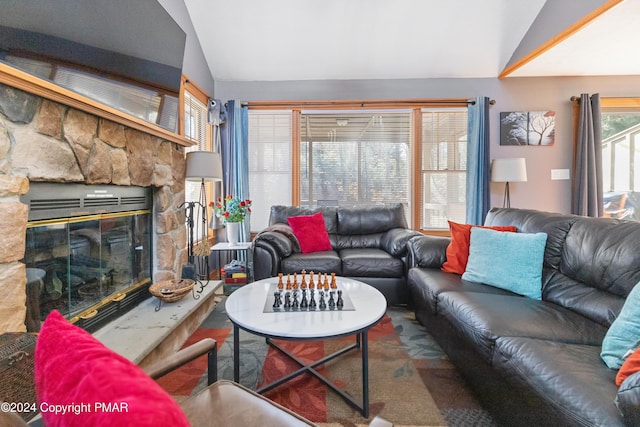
(508, 170)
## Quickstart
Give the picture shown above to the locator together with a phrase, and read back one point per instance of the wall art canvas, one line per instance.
(528, 128)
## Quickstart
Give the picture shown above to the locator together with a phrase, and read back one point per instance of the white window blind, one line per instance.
(443, 167)
(270, 136)
(351, 158)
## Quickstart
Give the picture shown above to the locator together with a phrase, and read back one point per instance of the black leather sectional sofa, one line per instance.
(369, 243)
(537, 362)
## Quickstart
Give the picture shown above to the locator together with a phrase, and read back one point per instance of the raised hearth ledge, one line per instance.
(144, 335)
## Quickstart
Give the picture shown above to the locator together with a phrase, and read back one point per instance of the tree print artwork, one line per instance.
(527, 128)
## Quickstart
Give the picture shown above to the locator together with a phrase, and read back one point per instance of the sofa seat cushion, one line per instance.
(370, 262)
(318, 262)
(426, 284)
(570, 377)
(482, 318)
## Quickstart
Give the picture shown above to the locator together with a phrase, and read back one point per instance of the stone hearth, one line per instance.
(41, 140)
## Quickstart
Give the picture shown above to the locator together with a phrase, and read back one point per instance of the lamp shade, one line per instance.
(509, 170)
(203, 165)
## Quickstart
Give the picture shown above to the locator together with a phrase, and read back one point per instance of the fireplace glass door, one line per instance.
(77, 265)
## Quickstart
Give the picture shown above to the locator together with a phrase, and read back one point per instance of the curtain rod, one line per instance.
(355, 104)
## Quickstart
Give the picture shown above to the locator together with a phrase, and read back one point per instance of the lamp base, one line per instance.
(506, 201)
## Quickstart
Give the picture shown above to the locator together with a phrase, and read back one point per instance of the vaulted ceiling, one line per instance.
(257, 40)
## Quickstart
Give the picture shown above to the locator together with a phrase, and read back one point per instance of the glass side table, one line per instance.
(241, 251)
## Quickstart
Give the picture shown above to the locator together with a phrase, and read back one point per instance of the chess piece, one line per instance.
(332, 302)
(277, 300)
(287, 300)
(304, 304)
(303, 284)
(323, 304)
(334, 285)
(326, 282)
(295, 280)
(288, 282)
(295, 304)
(340, 302)
(280, 284)
(311, 284)
(312, 301)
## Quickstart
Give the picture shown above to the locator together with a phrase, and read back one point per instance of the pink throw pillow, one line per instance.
(311, 232)
(98, 387)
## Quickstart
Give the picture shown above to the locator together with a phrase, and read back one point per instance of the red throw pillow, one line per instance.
(630, 366)
(311, 232)
(458, 249)
(95, 385)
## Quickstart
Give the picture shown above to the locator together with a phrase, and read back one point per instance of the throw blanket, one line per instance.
(286, 230)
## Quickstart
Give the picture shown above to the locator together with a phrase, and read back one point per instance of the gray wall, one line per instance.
(194, 66)
(511, 94)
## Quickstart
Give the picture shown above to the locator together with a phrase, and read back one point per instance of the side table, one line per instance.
(236, 249)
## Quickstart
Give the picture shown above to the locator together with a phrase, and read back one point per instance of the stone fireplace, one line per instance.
(45, 141)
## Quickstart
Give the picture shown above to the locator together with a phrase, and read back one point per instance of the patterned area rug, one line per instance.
(411, 382)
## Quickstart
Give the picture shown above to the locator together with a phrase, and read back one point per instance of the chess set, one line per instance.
(319, 293)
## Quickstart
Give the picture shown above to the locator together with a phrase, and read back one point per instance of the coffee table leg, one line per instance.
(365, 374)
(236, 353)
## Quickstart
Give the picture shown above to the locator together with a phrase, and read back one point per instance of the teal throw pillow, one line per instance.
(511, 261)
(624, 333)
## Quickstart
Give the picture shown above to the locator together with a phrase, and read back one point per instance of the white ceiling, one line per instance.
(258, 40)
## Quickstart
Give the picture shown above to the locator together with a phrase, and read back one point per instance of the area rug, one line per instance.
(411, 382)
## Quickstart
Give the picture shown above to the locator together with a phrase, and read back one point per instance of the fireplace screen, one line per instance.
(80, 264)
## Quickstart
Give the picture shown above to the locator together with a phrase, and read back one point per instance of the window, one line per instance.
(198, 130)
(444, 167)
(355, 158)
(270, 167)
(621, 158)
(138, 100)
(397, 152)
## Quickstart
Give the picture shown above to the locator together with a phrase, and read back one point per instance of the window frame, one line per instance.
(415, 105)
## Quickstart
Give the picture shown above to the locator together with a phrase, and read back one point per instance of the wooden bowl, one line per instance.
(171, 290)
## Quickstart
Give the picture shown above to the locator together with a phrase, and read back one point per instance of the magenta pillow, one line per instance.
(101, 387)
(311, 232)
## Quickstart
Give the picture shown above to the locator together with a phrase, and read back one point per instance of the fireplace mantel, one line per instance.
(24, 81)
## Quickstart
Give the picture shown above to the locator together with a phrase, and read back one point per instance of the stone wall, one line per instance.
(44, 141)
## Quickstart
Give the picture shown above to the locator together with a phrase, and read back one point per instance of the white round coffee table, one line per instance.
(249, 310)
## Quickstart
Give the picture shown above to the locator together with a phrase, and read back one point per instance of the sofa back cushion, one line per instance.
(361, 220)
(590, 264)
(280, 213)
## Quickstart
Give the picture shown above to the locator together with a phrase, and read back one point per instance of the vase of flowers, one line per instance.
(231, 211)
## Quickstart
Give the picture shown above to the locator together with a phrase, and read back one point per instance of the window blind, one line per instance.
(352, 158)
(443, 167)
(270, 167)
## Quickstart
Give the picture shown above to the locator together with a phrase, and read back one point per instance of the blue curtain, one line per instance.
(234, 134)
(587, 197)
(478, 197)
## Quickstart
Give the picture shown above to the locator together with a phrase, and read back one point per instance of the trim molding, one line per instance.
(45, 89)
(560, 37)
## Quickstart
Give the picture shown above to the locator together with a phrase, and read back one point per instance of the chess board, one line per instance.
(298, 296)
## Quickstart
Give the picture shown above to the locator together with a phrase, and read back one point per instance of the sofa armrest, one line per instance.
(186, 355)
(269, 249)
(628, 399)
(428, 251)
(395, 241)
